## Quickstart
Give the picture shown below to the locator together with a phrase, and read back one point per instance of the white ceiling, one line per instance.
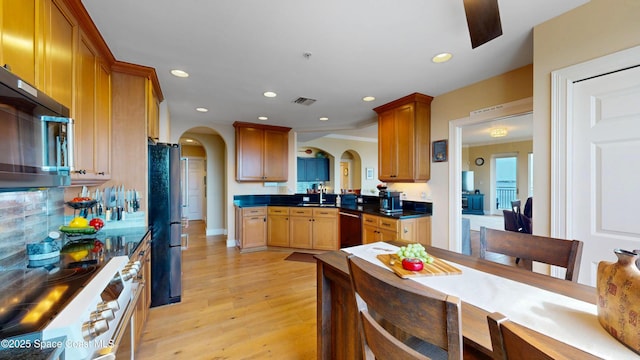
(234, 50)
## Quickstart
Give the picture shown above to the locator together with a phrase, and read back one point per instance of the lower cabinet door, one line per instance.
(300, 232)
(278, 231)
(325, 233)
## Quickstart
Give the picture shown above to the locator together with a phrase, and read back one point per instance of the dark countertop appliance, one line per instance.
(165, 220)
(36, 141)
(390, 201)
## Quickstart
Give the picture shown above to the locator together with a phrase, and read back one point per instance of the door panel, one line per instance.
(605, 148)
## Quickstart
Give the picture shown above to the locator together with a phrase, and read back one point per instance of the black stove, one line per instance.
(35, 297)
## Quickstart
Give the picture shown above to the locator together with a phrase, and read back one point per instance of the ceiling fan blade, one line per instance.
(483, 19)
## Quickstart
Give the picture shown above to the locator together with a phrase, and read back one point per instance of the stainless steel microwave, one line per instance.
(36, 137)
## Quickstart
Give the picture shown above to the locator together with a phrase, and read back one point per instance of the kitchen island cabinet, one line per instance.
(404, 140)
(262, 152)
(380, 228)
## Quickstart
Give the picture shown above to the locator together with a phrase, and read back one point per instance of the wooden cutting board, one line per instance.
(437, 268)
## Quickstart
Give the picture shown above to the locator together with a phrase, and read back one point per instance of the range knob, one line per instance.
(106, 314)
(128, 273)
(108, 305)
(92, 329)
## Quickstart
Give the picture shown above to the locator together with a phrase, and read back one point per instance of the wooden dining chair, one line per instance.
(511, 341)
(425, 323)
(552, 251)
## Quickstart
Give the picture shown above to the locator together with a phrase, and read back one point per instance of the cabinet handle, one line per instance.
(101, 173)
(406, 230)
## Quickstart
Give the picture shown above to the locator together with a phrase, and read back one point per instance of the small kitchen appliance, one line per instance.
(36, 137)
(390, 201)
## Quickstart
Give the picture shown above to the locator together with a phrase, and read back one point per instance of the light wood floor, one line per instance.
(239, 306)
(235, 306)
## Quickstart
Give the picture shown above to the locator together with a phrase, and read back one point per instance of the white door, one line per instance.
(604, 176)
(195, 189)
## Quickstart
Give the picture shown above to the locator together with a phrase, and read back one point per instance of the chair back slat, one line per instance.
(425, 313)
(552, 251)
(510, 340)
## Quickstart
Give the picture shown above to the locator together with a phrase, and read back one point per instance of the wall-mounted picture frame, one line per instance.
(439, 151)
(369, 173)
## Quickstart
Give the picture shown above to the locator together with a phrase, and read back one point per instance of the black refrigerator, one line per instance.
(165, 215)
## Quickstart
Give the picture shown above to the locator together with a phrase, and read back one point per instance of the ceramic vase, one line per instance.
(618, 287)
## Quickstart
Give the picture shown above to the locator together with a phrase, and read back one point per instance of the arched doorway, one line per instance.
(204, 177)
(350, 177)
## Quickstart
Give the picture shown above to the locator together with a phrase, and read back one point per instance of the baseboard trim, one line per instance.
(212, 232)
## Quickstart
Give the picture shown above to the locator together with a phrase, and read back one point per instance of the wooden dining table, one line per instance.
(337, 327)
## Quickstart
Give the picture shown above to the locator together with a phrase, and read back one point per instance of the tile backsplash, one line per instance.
(27, 217)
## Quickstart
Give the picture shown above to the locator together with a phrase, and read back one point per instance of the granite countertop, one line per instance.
(370, 204)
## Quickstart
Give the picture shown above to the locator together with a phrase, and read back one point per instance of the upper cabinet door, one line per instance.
(249, 154)
(262, 152)
(58, 49)
(276, 155)
(404, 136)
(18, 38)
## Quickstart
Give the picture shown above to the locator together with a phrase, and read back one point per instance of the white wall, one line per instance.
(598, 28)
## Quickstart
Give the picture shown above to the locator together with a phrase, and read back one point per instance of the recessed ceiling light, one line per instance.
(201, 109)
(188, 140)
(263, 118)
(270, 94)
(324, 118)
(368, 98)
(443, 57)
(179, 73)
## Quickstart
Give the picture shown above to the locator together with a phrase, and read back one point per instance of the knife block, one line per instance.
(618, 288)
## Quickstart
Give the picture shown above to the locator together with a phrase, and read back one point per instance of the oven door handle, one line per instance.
(119, 334)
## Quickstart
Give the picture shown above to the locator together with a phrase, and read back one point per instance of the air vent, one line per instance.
(304, 101)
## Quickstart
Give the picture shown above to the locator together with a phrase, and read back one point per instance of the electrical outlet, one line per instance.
(305, 198)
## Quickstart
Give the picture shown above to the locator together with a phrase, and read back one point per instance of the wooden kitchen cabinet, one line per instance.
(325, 229)
(416, 230)
(92, 116)
(278, 226)
(301, 228)
(262, 152)
(378, 228)
(37, 42)
(153, 109)
(404, 128)
(381, 228)
(251, 227)
(313, 228)
(18, 40)
(58, 50)
(313, 169)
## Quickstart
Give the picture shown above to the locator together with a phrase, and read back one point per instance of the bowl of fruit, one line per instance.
(81, 226)
(81, 202)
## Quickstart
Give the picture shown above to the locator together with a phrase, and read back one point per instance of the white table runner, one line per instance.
(566, 319)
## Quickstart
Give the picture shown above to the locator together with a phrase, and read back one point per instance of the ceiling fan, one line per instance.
(483, 19)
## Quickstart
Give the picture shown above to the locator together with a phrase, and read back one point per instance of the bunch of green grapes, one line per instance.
(414, 251)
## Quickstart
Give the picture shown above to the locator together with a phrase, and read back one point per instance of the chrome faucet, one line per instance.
(321, 189)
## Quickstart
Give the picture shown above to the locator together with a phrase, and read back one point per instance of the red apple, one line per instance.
(412, 264)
